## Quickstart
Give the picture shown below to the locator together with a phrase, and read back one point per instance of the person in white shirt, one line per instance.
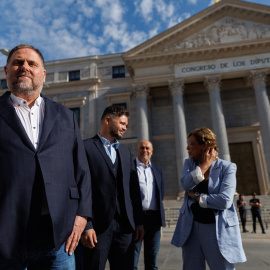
(152, 193)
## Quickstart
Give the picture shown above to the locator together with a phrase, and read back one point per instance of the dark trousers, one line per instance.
(243, 219)
(151, 241)
(257, 214)
(116, 245)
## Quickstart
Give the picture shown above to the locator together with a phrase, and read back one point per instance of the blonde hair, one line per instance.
(205, 136)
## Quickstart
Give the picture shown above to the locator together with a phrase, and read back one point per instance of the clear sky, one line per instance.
(73, 28)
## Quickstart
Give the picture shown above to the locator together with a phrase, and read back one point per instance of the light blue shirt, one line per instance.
(110, 148)
(147, 186)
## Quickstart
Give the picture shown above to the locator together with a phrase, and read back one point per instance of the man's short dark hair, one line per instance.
(23, 46)
(114, 111)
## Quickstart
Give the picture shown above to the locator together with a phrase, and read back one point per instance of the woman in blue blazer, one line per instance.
(208, 226)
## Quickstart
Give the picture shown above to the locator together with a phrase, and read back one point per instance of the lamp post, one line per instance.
(5, 51)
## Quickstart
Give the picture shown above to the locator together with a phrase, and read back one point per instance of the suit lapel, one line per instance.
(156, 177)
(102, 151)
(8, 113)
(122, 159)
(51, 111)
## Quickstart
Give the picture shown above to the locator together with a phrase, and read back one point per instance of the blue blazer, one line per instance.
(62, 165)
(159, 181)
(104, 186)
(222, 185)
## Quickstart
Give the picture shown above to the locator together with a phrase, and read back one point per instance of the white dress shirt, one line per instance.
(31, 119)
(147, 186)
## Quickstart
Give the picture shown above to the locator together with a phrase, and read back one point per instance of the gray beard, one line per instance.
(21, 89)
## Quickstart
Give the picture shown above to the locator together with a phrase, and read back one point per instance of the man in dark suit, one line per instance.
(45, 185)
(152, 193)
(117, 208)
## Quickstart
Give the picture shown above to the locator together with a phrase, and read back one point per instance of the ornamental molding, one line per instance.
(258, 75)
(212, 82)
(227, 30)
(176, 86)
(141, 90)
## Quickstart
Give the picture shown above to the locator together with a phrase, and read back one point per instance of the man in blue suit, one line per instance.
(117, 208)
(45, 185)
(152, 194)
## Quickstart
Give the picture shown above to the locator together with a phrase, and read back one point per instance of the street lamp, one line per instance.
(5, 51)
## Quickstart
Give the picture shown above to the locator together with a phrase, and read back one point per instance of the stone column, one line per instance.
(141, 91)
(180, 131)
(92, 128)
(258, 80)
(218, 121)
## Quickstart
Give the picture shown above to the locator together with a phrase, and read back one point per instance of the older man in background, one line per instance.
(152, 194)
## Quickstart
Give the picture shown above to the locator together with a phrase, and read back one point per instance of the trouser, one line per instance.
(151, 240)
(257, 214)
(115, 245)
(202, 246)
(243, 219)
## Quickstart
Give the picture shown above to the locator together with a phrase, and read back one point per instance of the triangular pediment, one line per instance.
(227, 30)
(226, 24)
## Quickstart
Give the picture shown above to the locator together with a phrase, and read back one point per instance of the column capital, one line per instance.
(176, 86)
(141, 89)
(258, 75)
(212, 81)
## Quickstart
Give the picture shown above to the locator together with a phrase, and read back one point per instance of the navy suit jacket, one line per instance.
(104, 186)
(159, 182)
(61, 164)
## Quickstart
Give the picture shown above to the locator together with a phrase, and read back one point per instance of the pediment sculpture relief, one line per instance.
(227, 30)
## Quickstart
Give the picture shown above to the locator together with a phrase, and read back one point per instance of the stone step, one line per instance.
(172, 208)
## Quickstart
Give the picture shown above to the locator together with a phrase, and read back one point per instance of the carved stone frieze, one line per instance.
(227, 30)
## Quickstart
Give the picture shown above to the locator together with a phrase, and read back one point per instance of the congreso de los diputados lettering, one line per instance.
(209, 70)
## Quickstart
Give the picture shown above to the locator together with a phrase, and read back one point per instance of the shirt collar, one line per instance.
(138, 163)
(22, 102)
(107, 143)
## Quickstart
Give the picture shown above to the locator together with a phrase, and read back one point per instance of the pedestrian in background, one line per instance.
(255, 204)
(241, 205)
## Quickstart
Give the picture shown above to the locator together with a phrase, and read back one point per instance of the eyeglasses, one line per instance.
(191, 143)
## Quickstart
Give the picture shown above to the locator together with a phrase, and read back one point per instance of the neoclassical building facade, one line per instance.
(210, 70)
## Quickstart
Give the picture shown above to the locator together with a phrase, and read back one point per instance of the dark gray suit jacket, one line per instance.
(59, 162)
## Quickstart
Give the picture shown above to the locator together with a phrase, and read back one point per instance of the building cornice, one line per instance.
(197, 54)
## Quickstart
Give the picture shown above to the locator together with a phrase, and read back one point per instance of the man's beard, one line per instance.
(24, 88)
(114, 132)
(115, 135)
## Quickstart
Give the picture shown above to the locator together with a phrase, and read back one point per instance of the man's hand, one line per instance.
(139, 231)
(89, 238)
(73, 240)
